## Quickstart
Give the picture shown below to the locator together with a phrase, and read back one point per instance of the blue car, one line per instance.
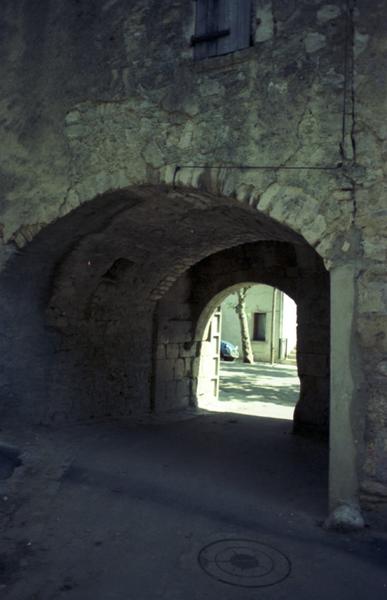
(228, 351)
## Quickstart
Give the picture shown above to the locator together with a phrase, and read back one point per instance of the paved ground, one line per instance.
(182, 510)
(261, 389)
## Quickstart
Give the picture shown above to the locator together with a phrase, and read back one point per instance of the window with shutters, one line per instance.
(259, 332)
(222, 26)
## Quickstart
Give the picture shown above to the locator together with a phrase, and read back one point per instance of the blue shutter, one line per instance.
(227, 21)
(235, 15)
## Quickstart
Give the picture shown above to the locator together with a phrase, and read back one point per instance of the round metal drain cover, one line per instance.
(245, 563)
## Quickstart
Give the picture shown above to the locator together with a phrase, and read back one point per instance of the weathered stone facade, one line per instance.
(135, 163)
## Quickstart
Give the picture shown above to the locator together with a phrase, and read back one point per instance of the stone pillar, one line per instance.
(311, 414)
(344, 427)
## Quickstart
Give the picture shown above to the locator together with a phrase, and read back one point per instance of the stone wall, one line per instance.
(97, 99)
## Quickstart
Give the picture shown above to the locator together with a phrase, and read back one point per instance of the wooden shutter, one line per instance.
(226, 22)
(235, 15)
(206, 23)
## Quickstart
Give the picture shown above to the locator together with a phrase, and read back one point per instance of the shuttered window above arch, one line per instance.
(222, 26)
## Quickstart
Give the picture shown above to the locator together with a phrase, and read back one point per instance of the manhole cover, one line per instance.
(245, 563)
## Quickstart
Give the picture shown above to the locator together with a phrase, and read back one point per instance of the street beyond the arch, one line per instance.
(260, 389)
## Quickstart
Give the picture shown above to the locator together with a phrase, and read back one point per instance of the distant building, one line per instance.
(272, 337)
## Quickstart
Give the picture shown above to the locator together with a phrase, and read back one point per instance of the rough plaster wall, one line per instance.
(273, 263)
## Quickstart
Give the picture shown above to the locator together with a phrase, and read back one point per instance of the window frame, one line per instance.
(257, 336)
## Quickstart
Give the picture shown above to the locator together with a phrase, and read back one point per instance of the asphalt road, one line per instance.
(203, 508)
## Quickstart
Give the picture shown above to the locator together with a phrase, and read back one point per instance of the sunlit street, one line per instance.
(260, 389)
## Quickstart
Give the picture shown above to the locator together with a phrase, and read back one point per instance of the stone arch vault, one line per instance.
(87, 307)
(181, 316)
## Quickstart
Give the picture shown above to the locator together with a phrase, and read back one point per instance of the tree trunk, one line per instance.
(247, 353)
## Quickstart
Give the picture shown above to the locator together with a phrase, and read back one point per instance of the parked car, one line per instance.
(228, 351)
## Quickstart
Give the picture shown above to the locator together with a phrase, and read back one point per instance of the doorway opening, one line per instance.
(248, 359)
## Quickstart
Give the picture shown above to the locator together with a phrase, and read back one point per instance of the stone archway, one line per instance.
(295, 270)
(103, 268)
(81, 306)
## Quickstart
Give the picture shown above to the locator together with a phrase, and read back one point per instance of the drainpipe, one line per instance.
(272, 339)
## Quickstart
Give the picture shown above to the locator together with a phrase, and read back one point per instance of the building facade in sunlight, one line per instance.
(272, 323)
